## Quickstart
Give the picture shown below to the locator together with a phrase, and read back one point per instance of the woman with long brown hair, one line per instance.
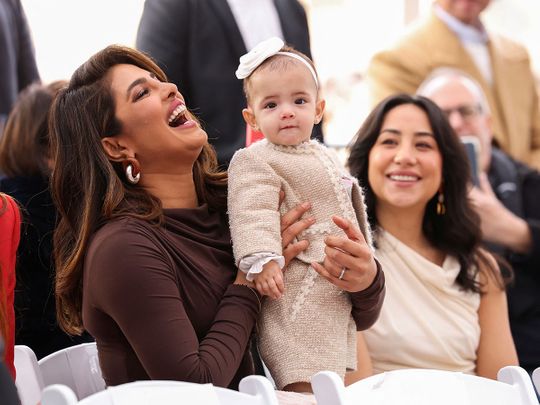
(10, 223)
(143, 250)
(445, 305)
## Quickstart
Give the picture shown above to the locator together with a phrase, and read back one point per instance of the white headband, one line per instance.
(270, 47)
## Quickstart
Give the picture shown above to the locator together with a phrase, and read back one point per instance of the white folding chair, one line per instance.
(519, 379)
(259, 391)
(29, 381)
(536, 379)
(77, 367)
(423, 387)
(260, 387)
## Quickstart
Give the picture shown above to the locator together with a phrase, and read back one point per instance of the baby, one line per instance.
(307, 325)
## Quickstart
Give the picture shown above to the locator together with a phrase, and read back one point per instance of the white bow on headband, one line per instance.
(270, 47)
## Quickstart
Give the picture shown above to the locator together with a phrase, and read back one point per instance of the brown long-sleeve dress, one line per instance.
(160, 301)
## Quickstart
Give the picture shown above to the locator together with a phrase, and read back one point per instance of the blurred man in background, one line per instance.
(453, 35)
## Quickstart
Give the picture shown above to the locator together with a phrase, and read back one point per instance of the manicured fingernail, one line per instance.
(306, 205)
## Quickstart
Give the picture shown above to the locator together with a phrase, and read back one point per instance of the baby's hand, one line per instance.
(270, 280)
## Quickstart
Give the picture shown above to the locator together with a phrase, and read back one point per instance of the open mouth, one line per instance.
(178, 116)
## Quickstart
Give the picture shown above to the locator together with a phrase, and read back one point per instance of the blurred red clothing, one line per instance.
(10, 225)
(252, 135)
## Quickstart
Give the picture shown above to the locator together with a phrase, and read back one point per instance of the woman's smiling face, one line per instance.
(405, 164)
(155, 123)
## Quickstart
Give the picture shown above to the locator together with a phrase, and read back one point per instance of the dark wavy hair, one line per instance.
(457, 232)
(87, 187)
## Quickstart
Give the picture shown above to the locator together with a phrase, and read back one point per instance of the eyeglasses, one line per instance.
(466, 111)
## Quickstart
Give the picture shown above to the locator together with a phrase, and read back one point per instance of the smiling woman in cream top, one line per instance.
(445, 304)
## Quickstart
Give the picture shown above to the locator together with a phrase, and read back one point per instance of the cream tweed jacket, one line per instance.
(310, 328)
(306, 172)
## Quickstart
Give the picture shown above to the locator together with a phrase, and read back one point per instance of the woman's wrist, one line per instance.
(242, 280)
(375, 282)
(367, 303)
(519, 237)
(245, 287)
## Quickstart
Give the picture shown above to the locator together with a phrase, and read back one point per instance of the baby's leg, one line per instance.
(294, 348)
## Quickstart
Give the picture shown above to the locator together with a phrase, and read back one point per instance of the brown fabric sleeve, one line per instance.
(135, 284)
(367, 304)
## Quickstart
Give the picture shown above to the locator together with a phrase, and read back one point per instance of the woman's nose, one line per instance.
(404, 155)
(170, 89)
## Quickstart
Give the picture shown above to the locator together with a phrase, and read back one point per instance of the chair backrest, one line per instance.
(29, 381)
(536, 379)
(261, 387)
(519, 379)
(77, 367)
(423, 387)
(258, 391)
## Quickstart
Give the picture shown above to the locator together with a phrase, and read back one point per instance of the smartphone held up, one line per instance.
(472, 147)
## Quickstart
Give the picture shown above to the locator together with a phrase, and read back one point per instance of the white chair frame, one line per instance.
(254, 390)
(422, 387)
(29, 381)
(75, 366)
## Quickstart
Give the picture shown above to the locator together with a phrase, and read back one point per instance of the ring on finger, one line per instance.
(343, 269)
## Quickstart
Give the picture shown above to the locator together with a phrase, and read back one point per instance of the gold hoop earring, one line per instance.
(441, 209)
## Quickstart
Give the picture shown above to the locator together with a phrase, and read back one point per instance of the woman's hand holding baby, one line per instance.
(349, 263)
(292, 225)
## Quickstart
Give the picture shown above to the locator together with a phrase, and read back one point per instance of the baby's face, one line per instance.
(283, 104)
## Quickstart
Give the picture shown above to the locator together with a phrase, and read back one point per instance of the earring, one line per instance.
(441, 209)
(132, 170)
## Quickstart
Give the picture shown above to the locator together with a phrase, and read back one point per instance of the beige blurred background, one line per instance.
(345, 34)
